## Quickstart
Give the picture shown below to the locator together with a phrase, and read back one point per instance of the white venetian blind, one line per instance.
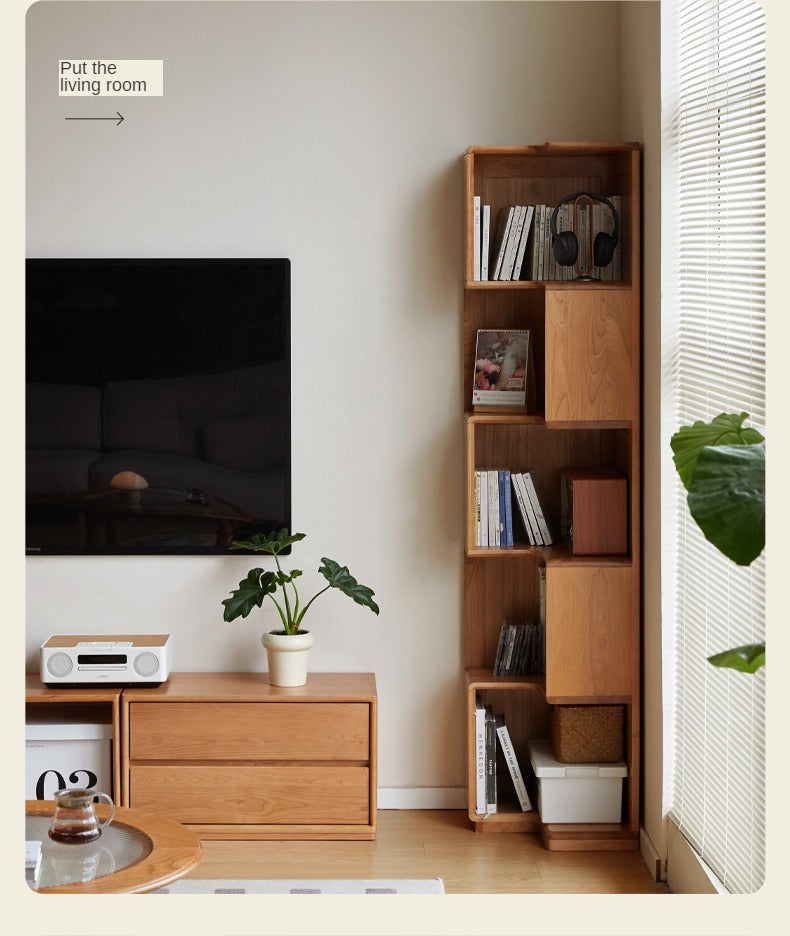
(713, 317)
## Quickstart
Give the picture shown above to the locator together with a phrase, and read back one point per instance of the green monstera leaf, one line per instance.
(339, 577)
(250, 594)
(726, 497)
(689, 441)
(271, 543)
(746, 659)
(722, 466)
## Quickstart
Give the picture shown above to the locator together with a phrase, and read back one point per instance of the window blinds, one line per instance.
(713, 316)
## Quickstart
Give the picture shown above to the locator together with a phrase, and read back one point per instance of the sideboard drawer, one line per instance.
(208, 731)
(281, 794)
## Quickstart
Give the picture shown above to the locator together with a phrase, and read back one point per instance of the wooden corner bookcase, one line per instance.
(586, 343)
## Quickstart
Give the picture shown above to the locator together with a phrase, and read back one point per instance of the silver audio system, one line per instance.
(106, 660)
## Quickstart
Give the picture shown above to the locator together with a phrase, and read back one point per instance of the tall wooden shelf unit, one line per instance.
(586, 341)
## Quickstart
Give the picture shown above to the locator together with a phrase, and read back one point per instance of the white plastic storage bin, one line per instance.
(67, 755)
(576, 792)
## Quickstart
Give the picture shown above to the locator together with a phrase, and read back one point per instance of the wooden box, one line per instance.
(594, 511)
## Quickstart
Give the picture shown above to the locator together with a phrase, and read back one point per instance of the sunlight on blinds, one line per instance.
(713, 315)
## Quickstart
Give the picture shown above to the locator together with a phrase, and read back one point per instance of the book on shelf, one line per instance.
(481, 507)
(521, 250)
(514, 238)
(493, 508)
(480, 754)
(504, 377)
(491, 799)
(476, 239)
(514, 769)
(505, 509)
(545, 530)
(528, 518)
(484, 241)
(500, 240)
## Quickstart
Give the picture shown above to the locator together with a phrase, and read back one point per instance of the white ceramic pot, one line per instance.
(287, 657)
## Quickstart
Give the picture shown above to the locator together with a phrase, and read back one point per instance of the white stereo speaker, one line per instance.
(111, 660)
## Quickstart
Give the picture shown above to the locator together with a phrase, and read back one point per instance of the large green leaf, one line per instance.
(746, 659)
(725, 429)
(339, 577)
(271, 543)
(250, 594)
(727, 499)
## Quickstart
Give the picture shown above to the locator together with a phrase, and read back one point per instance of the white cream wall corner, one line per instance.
(330, 133)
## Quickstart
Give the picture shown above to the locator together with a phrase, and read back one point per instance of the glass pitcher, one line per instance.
(74, 820)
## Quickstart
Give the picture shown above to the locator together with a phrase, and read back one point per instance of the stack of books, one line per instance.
(494, 492)
(521, 649)
(490, 731)
(520, 247)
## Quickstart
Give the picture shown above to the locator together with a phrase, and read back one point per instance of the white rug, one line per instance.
(198, 886)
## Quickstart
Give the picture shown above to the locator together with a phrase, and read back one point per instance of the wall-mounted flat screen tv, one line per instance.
(158, 405)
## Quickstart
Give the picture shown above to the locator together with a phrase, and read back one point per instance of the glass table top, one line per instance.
(118, 847)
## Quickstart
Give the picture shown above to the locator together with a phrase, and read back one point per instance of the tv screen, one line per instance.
(157, 404)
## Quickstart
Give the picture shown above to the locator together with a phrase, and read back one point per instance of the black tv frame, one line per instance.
(57, 349)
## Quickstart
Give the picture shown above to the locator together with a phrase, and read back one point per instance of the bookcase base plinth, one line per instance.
(580, 837)
(509, 822)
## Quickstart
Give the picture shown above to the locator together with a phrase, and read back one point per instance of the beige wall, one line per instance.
(330, 133)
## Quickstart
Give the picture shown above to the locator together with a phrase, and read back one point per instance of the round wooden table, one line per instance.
(136, 852)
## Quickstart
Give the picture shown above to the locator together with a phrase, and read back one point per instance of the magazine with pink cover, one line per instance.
(502, 374)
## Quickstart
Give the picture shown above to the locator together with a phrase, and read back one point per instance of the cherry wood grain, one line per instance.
(586, 343)
(200, 731)
(235, 757)
(264, 794)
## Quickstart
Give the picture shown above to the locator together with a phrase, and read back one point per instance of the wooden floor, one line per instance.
(436, 843)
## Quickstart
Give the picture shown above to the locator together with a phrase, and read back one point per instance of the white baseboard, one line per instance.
(421, 798)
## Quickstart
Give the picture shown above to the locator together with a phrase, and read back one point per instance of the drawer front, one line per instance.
(283, 794)
(209, 731)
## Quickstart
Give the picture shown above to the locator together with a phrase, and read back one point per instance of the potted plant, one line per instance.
(722, 466)
(287, 648)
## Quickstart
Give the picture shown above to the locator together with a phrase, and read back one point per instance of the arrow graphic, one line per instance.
(118, 122)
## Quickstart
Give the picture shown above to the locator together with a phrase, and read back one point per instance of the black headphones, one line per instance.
(565, 245)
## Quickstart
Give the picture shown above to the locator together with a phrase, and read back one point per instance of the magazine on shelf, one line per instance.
(506, 746)
(522, 246)
(528, 516)
(484, 242)
(503, 373)
(500, 240)
(545, 531)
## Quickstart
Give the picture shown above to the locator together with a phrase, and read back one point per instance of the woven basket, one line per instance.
(588, 734)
